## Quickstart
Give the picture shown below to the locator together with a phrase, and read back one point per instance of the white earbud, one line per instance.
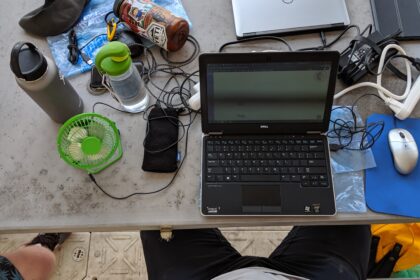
(194, 100)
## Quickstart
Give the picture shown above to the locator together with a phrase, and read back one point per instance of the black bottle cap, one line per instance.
(116, 8)
(27, 63)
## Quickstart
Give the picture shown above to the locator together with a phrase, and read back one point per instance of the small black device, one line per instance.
(362, 54)
(95, 78)
(392, 15)
(132, 40)
(161, 141)
(95, 86)
(263, 119)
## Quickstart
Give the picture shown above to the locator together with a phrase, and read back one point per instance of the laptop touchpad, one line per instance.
(261, 199)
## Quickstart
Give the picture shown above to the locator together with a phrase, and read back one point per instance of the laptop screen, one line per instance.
(268, 92)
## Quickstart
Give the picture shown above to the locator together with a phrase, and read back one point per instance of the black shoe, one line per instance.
(50, 240)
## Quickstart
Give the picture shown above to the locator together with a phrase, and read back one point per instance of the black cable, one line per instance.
(345, 130)
(363, 96)
(256, 39)
(175, 97)
(160, 189)
(75, 51)
(185, 102)
(367, 28)
(196, 52)
(107, 105)
(342, 34)
(414, 61)
(113, 18)
(90, 41)
(326, 45)
(73, 55)
(324, 42)
(178, 96)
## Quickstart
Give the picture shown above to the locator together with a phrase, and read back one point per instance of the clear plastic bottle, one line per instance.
(126, 84)
(129, 89)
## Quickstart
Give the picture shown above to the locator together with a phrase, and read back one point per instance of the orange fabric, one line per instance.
(408, 235)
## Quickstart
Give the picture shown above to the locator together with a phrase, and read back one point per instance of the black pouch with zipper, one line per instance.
(160, 144)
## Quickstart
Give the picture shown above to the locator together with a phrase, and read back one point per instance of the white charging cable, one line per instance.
(380, 70)
(411, 94)
(381, 90)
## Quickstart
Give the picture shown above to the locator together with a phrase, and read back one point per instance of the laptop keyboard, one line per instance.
(289, 159)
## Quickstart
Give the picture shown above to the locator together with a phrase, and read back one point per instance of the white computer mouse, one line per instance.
(404, 150)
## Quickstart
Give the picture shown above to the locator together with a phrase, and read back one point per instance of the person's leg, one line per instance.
(325, 252)
(32, 262)
(191, 254)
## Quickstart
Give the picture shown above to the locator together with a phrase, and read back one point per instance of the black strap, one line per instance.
(373, 251)
(385, 266)
(14, 57)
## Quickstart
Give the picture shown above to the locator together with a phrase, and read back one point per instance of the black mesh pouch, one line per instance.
(160, 144)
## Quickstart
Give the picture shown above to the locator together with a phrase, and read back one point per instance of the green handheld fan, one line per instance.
(89, 141)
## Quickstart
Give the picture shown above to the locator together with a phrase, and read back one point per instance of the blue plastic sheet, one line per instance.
(91, 34)
(347, 169)
(349, 192)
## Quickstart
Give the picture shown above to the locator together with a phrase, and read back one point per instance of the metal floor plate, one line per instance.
(72, 257)
(116, 255)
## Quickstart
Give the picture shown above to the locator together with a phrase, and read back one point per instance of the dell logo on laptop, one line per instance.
(263, 126)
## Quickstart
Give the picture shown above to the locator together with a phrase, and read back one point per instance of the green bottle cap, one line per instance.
(113, 59)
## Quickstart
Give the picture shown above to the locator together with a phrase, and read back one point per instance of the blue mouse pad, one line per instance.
(387, 191)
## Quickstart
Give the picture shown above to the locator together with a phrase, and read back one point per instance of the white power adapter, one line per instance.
(194, 100)
(403, 109)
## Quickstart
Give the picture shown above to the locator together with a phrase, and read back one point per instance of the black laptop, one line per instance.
(264, 118)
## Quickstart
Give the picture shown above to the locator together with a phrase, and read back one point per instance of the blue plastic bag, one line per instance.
(347, 169)
(91, 34)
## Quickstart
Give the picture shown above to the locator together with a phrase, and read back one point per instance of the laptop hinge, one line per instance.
(215, 133)
(313, 132)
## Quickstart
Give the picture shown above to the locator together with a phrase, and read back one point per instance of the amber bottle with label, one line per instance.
(153, 22)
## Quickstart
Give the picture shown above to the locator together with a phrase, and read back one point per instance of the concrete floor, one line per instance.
(119, 255)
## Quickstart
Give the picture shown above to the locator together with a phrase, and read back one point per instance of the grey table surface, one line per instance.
(40, 192)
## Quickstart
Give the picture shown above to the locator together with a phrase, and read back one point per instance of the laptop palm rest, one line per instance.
(261, 199)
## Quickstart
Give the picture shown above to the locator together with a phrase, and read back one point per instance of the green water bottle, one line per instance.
(114, 61)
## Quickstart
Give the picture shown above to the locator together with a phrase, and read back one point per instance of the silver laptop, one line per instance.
(267, 17)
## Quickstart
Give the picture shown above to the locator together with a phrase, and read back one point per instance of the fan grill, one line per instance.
(77, 129)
